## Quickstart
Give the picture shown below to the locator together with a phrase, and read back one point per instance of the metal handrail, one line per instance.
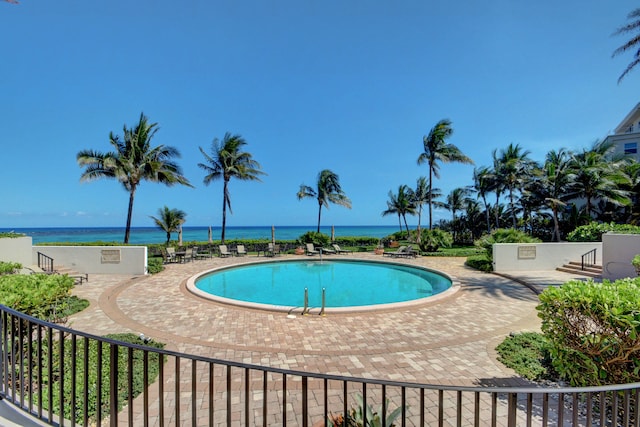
(589, 259)
(222, 390)
(45, 263)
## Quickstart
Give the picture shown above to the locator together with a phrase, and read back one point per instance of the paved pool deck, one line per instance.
(449, 341)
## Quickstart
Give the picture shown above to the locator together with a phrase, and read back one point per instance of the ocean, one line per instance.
(144, 235)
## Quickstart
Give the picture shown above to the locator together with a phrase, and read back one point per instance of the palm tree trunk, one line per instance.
(224, 211)
(487, 215)
(399, 222)
(588, 207)
(418, 230)
(319, 214)
(168, 237)
(496, 214)
(127, 230)
(405, 224)
(430, 196)
(556, 226)
(513, 211)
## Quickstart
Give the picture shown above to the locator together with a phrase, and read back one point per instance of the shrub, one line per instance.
(11, 235)
(314, 237)
(480, 262)
(432, 240)
(528, 354)
(503, 235)
(593, 231)
(593, 330)
(154, 265)
(91, 392)
(38, 295)
(9, 267)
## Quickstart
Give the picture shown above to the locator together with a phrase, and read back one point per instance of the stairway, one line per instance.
(575, 267)
(79, 278)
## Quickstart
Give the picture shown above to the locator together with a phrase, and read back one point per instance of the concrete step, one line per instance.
(574, 267)
(80, 278)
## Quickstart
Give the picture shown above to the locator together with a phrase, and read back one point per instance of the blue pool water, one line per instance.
(347, 283)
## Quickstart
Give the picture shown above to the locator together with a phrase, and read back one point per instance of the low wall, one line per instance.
(619, 250)
(16, 249)
(97, 259)
(540, 256)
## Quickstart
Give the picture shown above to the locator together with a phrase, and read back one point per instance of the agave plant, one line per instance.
(356, 416)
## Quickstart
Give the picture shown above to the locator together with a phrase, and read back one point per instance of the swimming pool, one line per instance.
(348, 284)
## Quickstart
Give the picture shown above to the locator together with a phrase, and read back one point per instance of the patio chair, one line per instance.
(224, 252)
(311, 250)
(170, 253)
(240, 250)
(272, 250)
(339, 250)
(203, 254)
(189, 254)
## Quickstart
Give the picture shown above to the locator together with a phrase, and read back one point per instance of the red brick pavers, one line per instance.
(447, 342)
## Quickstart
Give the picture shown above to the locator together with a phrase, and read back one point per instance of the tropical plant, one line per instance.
(436, 150)
(9, 267)
(401, 204)
(503, 235)
(555, 185)
(456, 200)
(133, 160)
(420, 196)
(434, 239)
(169, 220)
(328, 190)
(513, 168)
(632, 44)
(599, 175)
(314, 237)
(227, 160)
(363, 415)
(593, 231)
(482, 182)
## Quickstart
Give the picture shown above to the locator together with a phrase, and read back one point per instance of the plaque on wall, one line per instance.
(110, 256)
(526, 252)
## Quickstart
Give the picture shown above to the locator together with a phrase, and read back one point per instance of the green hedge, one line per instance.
(38, 295)
(9, 267)
(593, 330)
(593, 232)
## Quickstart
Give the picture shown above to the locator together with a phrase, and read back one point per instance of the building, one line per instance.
(627, 134)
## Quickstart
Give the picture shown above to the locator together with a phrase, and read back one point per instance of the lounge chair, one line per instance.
(224, 252)
(329, 251)
(311, 250)
(272, 250)
(240, 250)
(400, 252)
(339, 250)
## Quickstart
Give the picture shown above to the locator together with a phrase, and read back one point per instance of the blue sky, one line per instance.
(351, 86)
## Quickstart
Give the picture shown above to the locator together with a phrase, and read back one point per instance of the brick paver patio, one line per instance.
(449, 341)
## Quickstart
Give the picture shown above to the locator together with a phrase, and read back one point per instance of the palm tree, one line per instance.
(599, 175)
(419, 197)
(169, 220)
(456, 200)
(401, 204)
(226, 161)
(328, 190)
(133, 161)
(496, 185)
(633, 43)
(555, 184)
(436, 150)
(482, 181)
(513, 168)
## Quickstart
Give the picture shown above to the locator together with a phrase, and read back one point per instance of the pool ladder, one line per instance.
(306, 308)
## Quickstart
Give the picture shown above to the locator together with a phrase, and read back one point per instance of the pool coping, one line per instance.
(191, 287)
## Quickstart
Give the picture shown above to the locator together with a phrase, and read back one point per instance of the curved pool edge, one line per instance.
(191, 287)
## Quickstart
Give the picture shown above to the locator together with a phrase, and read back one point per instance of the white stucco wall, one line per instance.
(16, 249)
(619, 249)
(97, 259)
(540, 256)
